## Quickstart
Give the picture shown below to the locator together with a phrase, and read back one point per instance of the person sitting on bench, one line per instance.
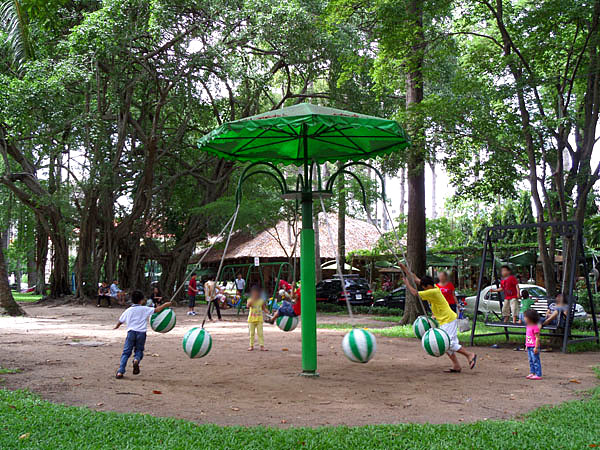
(103, 294)
(117, 293)
(557, 312)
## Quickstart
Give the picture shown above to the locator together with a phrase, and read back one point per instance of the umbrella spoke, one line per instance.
(268, 144)
(337, 144)
(356, 146)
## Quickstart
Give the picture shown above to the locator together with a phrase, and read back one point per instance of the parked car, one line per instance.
(358, 290)
(394, 299)
(490, 301)
(397, 299)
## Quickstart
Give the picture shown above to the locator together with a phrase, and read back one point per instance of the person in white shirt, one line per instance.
(210, 292)
(136, 318)
(240, 284)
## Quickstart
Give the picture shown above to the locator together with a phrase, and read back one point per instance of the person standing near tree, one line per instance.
(240, 284)
(210, 293)
(448, 291)
(192, 293)
(509, 285)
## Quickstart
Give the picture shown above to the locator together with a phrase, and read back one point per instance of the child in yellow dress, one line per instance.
(256, 306)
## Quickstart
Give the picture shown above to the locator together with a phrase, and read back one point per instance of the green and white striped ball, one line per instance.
(422, 324)
(197, 343)
(359, 345)
(287, 323)
(164, 321)
(435, 342)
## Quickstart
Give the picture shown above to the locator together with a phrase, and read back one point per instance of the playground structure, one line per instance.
(304, 135)
(570, 230)
(284, 271)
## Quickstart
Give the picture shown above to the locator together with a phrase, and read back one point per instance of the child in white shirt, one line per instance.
(136, 318)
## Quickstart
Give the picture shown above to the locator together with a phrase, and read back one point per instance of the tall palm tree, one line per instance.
(14, 24)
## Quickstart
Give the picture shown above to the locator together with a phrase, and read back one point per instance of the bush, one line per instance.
(329, 307)
(383, 311)
(583, 324)
(379, 294)
(584, 300)
(334, 308)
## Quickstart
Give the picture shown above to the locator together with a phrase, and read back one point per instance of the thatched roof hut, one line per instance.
(280, 243)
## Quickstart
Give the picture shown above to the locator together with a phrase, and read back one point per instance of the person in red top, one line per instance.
(510, 287)
(285, 285)
(288, 309)
(448, 290)
(296, 305)
(192, 292)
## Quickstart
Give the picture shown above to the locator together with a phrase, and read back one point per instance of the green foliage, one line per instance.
(52, 426)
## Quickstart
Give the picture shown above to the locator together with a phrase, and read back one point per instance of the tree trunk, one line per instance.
(31, 272)
(174, 269)
(7, 301)
(402, 205)
(60, 279)
(18, 274)
(415, 235)
(86, 275)
(41, 258)
(131, 265)
(341, 229)
(433, 191)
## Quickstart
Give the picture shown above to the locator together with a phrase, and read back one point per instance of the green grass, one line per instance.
(4, 370)
(29, 422)
(20, 297)
(394, 319)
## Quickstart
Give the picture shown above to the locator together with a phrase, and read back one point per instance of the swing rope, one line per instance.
(199, 263)
(233, 221)
(337, 258)
(393, 252)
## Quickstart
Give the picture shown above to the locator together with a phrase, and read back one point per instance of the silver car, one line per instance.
(490, 301)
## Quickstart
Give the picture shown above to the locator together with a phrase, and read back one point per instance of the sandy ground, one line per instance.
(231, 386)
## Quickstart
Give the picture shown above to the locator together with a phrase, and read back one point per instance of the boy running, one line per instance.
(136, 318)
(443, 314)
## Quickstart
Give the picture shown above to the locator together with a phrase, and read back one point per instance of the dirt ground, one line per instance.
(231, 386)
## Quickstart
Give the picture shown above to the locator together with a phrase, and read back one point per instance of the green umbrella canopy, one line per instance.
(331, 134)
(524, 259)
(440, 260)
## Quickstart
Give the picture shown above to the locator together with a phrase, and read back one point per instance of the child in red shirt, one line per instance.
(510, 286)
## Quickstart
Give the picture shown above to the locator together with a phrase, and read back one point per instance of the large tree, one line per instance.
(523, 102)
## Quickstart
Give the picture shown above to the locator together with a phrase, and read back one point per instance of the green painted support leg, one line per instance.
(308, 290)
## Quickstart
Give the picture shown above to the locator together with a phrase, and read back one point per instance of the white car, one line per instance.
(490, 301)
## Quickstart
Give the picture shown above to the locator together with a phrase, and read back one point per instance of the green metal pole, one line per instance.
(308, 292)
(307, 273)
